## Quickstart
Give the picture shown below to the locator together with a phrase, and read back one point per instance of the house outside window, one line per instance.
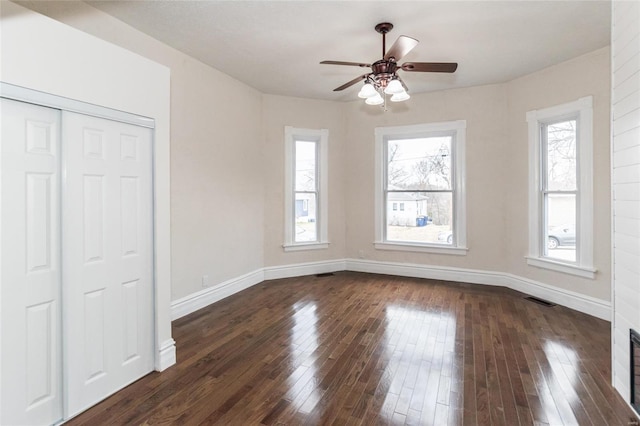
(306, 189)
(561, 188)
(421, 169)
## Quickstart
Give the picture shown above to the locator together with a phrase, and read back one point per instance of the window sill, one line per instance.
(421, 248)
(305, 246)
(577, 270)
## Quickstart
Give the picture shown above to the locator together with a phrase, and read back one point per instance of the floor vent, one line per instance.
(540, 301)
(326, 274)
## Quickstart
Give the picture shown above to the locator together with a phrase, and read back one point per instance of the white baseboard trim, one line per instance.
(582, 303)
(586, 304)
(424, 271)
(166, 355)
(301, 269)
(207, 296)
(193, 302)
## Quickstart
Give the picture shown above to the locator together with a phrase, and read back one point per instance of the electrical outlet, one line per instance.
(205, 281)
(361, 254)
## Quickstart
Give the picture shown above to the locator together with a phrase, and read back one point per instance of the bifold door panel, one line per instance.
(76, 261)
(31, 332)
(107, 257)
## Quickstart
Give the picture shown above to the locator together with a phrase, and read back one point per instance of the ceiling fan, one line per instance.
(383, 77)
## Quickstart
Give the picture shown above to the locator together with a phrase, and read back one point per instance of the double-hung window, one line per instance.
(420, 200)
(305, 189)
(561, 188)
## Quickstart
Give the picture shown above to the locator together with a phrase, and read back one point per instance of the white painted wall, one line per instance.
(497, 164)
(42, 54)
(278, 112)
(626, 185)
(566, 82)
(227, 148)
(217, 164)
(484, 109)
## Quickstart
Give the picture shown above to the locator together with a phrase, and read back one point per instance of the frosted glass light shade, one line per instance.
(374, 100)
(367, 91)
(399, 97)
(394, 87)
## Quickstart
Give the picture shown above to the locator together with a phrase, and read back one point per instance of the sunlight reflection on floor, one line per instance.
(420, 349)
(304, 346)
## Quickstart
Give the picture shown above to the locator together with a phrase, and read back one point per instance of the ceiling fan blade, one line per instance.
(353, 64)
(401, 47)
(430, 66)
(351, 83)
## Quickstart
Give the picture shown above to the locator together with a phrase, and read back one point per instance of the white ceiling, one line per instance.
(276, 46)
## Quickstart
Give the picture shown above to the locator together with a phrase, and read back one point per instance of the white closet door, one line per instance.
(30, 301)
(107, 257)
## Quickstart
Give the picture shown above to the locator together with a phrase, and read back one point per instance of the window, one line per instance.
(421, 169)
(561, 188)
(305, 189)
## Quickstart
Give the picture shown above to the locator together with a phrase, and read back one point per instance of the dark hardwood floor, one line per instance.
(365, 349)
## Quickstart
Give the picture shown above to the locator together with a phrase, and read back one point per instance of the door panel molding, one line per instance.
(31, 356)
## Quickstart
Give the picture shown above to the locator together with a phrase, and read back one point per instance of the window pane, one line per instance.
(426, 217)
(423, 163)
(561, 226)
(306, 214)
(305, 166)
(561, 156)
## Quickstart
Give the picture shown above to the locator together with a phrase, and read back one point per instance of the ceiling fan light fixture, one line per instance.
(394, 87)
(383, 81)
(375, 100)
(399, 97)
(367, 91)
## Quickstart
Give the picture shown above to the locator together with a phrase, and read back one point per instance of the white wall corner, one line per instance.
(206, 297)
(166, 356)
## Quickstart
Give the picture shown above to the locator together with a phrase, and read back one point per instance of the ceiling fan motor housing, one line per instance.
(384, 67)
(384, 71)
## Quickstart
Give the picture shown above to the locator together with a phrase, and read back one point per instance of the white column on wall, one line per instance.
(626, 185)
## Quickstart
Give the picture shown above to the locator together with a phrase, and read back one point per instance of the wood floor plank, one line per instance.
(361, 349)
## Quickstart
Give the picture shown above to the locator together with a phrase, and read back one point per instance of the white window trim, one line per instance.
(459, 213)
(421, 248)
(583, 266)
(321, 136)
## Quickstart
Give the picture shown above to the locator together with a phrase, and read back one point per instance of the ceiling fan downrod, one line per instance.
(383, 28)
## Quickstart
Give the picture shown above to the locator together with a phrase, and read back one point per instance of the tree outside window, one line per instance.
(421, 169)
(561, 188)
